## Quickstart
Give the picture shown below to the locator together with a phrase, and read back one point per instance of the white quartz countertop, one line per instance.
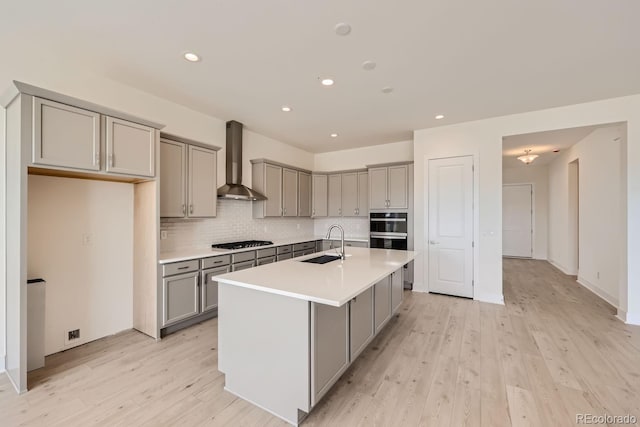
(195, 253)
(333, 283)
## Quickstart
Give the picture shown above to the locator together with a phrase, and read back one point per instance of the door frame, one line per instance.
(475, 225)
(533, 215)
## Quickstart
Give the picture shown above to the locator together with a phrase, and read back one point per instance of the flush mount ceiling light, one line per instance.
(387, 89)
(286, 108)
(343, 29)
(439, 117)
(327, 82)
(191, 57)
(528, 157)
(368, 65)
(334, 135)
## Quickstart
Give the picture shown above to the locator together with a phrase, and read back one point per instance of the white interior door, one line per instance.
(517, 220)
(450, 240)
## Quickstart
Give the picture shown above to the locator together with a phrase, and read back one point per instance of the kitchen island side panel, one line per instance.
(263, 349)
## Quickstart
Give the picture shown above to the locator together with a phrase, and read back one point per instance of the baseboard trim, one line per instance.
(629, 318)
(488, 297)
(560, 267)
(2, 363)
(599, 292)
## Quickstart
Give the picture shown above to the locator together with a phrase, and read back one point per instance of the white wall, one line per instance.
(599, 157)
(89, 284)
(2, 240)
(483, 139)
(539, 177)
(358, 158)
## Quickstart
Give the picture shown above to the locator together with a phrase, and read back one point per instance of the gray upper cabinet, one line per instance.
(388, 187)
(350, 194)
(335, 195)
(130, 148)
(202, 188)
(319, 191)
(187, 181)
(267, 179)
(65, 136)
(363, 194)
(173, 179)
(289, 192)
(304, 194)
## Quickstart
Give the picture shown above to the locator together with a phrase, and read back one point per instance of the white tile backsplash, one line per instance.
(353, 227)
(234, 222)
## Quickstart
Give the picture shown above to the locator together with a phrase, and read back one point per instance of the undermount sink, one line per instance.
(322, 259)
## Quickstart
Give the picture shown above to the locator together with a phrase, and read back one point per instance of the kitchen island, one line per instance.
(288, 331)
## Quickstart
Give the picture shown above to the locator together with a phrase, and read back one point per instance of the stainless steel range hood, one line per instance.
(234, 189)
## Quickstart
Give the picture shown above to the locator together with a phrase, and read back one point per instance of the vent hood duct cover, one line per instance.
(234, 189)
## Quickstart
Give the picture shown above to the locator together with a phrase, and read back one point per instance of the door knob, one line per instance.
(433, 242)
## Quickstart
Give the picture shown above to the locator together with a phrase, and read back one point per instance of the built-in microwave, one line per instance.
(388, 230)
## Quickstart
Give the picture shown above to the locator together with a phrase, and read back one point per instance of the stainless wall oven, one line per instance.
(388, 230)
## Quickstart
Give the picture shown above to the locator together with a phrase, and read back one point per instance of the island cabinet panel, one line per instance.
(397, 289)
(382, 298)
(180, 297)
(263, 342)
(130, 147)
(65, 136)
(319, 189)
(329, 347)
(304, 194)
(361, 329)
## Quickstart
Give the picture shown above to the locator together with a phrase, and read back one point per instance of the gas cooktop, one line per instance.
(241, 245)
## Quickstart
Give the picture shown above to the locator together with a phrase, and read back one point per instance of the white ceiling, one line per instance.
(467, 60)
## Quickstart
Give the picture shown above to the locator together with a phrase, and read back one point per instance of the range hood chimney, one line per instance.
(234, 189)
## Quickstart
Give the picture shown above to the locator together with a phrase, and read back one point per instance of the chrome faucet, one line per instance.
(342, 251)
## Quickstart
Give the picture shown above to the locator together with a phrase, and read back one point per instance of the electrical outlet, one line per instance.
(163, 234)
(73, 335)
(87, 239)
(298, 226)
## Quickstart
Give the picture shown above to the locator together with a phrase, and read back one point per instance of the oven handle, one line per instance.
(388, 220)
(394, 236)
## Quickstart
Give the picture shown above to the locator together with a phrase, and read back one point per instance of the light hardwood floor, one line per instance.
(553, 351)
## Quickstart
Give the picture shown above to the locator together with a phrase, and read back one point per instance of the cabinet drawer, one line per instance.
(286, 249)
(304, 246)
(216, 261)
(263, 253)
(243, 256)
(180, 267)
(266, 260)
(282, 257)
(243, 265)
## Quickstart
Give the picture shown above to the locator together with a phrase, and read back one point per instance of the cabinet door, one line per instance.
(209, 288)
(289, 192)
(202, 183)
(65, 136)
(363, 194)
(130, 148)
(335, 195)
(319, 195)
(397, 290)
(329, 347)
(304, 194)
(350, 194)
(180, 296)
(273, 190)
(382, 299)
(173, 179)
(361, 322)
(397, 186)
(378, 188)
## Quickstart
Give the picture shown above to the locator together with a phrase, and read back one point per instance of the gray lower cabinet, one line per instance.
(282, 257)
(361, 329)
(382, 301)
(209, 288)
(397, 289)
(243, 265)
(180, 295)
(329, 347)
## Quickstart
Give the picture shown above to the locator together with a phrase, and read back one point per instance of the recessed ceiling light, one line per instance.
(387, 89)
(286, 108)
(327, 82)
(334, 135)
(191, 57)
(439, 116)
(368, 65)
(557, 150)
(343, 29)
